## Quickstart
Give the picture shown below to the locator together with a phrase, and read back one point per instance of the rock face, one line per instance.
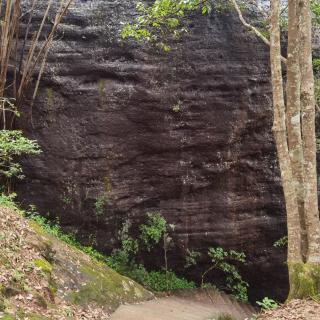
(127, 130)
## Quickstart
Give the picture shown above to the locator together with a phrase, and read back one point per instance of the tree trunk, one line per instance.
(308, 133)
(305, 277)
(293, 121)
(280, 134)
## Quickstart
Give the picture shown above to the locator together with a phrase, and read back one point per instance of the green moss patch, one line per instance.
(49, 266)
(106, 287)
(8, 317)
(304, 280)
(44, 265)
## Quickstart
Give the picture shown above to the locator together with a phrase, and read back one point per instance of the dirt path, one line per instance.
(197, 305)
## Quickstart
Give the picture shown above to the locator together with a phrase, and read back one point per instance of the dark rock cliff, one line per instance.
(186, 133)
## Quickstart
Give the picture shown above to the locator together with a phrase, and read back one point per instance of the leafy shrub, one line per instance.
(162, 281)
(156, 280)
(224, 261)
(8, 200)
(282, 242)
(316, 64)
(100, 203)
(55, 230)
(267, 304)
(12, 145)
(191, 258)
(123, 259)
(153, 231)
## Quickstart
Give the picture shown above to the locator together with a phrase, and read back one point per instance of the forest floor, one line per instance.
(294, 310)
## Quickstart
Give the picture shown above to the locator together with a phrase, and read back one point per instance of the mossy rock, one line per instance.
(304, 280)
(44, 265)
(106, 287)
(50, 274)
(81, 280)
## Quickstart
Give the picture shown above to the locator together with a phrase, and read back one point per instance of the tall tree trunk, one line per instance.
(309, 135)
(293, 120)
(280, 134)
(305, 277)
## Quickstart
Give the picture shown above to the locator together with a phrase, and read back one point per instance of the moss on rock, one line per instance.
(53, 276)
(44, 265)
(80, 279)
(106, 287)
(304, 280)
(8, 317)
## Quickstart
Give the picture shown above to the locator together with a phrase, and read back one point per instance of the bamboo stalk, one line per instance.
(25, 62)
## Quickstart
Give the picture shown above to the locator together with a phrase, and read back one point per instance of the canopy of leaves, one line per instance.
(155, 22)
(13, 144)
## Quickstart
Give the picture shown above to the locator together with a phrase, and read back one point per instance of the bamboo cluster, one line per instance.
(24, 52)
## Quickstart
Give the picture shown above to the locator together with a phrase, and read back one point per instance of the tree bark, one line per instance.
(280, 134)
(308, 133)
(293, 113)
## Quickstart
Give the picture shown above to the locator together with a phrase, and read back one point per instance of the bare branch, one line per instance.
(252, 28)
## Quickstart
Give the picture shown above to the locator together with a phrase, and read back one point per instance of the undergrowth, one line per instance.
(153, 280)
(154, 235)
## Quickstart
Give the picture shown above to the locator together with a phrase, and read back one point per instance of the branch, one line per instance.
(252, 28)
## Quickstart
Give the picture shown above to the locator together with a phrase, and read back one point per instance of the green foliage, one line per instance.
(191, 258)
(225, 261)
(161, 19)
(166, 280)
(55, 230)
(99, 204)
(66, 199)
(267, 304)
(223, 6)
(316, 64)
(123, 258)
(7, 200)
(282, 242)
(12, 145)
(315, 7)
(264, 28)
(153, 231)
(177, 107)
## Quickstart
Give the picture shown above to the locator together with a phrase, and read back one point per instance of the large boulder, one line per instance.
(187, 134)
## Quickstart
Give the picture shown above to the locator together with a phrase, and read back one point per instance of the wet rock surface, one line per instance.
(187, 134)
